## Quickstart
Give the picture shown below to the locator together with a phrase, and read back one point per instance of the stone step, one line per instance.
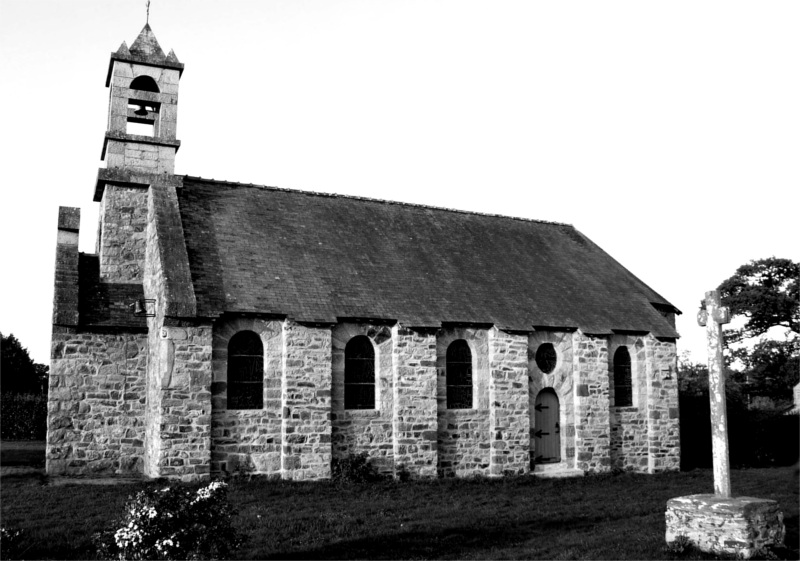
(550, 471)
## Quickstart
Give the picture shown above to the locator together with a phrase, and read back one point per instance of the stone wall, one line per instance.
(363, 430)
(167, 79)
(561, 379)
(662, 405)
(739, 527)
(178, 413)
(592, 422)
(629, 437)
(509, 411)
(122, 234)
(140, 157)
(629, 444)
(414, 396)
(96, 401)
(142, 153)
(102, 396)
(463, 445)
(247, 440)
(65, 291)
(184, 400)
(306, 400)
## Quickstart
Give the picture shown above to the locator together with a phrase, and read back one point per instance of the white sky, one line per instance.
(667, 132)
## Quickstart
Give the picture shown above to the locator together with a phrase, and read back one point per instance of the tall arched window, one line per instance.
(359, 373)
(459, 375)
(145, 84)
(623, 390)
(245, 371)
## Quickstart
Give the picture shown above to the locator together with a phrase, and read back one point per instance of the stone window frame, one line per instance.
(559, 357)
(620, 379)
(478, 341)
(144, 99)
(270, 332)
(380, 335)
(636, 350)
(452, 399)
(350, 360)
(246, 389)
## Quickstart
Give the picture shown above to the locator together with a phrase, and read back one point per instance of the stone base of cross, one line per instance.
(720, 523)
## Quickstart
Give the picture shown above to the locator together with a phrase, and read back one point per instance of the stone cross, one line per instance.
(711, 316)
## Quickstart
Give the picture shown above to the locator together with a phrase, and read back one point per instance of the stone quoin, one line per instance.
(223, 328)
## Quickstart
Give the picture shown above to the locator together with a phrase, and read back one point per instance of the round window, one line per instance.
(546, 358)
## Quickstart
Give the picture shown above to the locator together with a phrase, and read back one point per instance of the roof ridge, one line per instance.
(374, 200)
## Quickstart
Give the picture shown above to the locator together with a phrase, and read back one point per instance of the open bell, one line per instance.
(138, 308)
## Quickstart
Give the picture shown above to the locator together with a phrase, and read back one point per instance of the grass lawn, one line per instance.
(608, 517)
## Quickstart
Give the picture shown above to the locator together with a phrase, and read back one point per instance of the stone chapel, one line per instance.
(225, 328)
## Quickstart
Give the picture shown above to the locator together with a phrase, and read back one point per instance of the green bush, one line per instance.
(355, 468)
(173, 523)
(23, 416)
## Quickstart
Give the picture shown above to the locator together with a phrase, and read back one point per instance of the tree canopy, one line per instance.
(18, 372)
(767, 293)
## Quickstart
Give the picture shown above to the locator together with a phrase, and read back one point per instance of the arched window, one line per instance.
(459, 375)
(546, 357)
(359, 374)
(245, 371)
(623, 390)
(145, 84)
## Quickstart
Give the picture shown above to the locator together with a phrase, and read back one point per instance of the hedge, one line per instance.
(23, 416)
(756, 438)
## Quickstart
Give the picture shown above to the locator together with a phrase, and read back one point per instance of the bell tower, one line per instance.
(138, 150)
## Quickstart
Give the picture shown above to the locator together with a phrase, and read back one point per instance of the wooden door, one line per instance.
(546, 430)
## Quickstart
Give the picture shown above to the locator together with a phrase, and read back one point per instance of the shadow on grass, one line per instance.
(533, 541)
(557, 538)
(454, 543)
(16, 453)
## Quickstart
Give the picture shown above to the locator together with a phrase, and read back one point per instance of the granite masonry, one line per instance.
(223, 328)
(738, 526)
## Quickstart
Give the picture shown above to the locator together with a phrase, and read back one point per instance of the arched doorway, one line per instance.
(547, 428)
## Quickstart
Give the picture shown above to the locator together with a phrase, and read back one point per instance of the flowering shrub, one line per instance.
(173, 523)
(10, 543)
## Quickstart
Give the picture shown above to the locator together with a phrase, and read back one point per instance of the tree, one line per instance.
(767, 293)
(771, 369)
(18, 372)
(693, 381)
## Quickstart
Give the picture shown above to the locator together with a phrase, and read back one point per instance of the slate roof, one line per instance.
(323, 258)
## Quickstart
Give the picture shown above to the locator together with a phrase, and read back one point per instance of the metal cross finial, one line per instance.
(148, 12)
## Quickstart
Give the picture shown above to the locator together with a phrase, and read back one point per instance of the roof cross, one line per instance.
(148, 12)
